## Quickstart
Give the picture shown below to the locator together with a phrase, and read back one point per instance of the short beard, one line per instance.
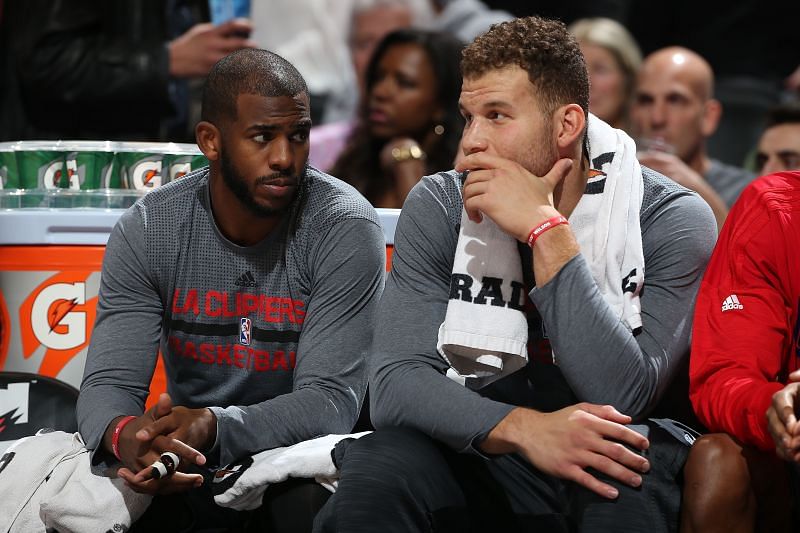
(539, 160)
(238, 186)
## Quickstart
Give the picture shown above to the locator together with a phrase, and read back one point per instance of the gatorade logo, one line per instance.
(50, 174)
(179, 168)
(146, 174)
(55, 322)
(14, 404)
(74, 174)
(57, 315)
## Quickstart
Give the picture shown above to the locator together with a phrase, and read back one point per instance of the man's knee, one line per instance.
(717, 484)
(398, 456)
(716, 461)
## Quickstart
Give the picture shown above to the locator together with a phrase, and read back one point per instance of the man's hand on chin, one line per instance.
(506, 192)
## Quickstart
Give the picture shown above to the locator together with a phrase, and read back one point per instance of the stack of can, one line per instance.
(89, 173)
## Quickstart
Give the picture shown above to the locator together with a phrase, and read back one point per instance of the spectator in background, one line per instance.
(673, 115)
(310, 34)
(90, 69)
(370, 22)
(752, 73)
(779, 146)
(745, 382)
(323, 37)
(409, 124)
(613, 60)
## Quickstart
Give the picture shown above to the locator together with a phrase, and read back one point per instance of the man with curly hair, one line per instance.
(550, 447)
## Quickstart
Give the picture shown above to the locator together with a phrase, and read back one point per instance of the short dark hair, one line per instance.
(788, 113)
(247, 71)
(544, 49)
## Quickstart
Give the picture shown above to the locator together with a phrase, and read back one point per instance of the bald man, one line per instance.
(779, 146)
(673, 115)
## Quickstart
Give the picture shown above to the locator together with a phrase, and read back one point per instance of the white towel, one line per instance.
(241, 485)
(607, 225)
(484, 333)
(484, 339)
(47, 483)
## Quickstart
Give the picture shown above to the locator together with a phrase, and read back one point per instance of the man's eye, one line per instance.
(300, 136)
(791, 161)
(260, 138)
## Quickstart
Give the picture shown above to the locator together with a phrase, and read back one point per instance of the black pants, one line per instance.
(399, 480)
(287, 507)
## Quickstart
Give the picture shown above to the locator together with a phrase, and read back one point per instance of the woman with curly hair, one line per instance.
(409, 124)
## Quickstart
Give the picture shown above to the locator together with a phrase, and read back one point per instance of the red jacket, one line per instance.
(745, 337)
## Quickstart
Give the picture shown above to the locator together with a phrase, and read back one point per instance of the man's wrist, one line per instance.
(544, 227)
(504, 437)
(107, 442)
(535, 219)
(213, 427)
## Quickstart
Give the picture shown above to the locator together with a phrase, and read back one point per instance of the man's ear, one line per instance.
(209, 139)
(712, 112)
(570, 123)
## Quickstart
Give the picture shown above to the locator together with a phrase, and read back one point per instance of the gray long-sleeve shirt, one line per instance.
(600, 359)
(272, 337)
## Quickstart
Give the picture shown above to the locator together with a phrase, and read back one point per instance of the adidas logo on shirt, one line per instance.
(246, 280)
(731, 303)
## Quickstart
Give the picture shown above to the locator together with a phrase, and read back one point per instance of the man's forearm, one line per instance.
(552, 250)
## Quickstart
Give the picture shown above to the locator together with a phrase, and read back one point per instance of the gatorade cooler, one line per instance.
(50, 263)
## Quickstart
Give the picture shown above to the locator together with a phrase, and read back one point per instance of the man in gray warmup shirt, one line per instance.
(522, 454)
(257, 278)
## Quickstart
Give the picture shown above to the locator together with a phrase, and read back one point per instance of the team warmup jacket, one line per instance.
(745, 338)
(271, 337)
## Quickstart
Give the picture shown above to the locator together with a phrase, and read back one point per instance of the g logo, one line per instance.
(54, 321)
(75, 174)
(146, 173)
(51, 174)
(180, 167)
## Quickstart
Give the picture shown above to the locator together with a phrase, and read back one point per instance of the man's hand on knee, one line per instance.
(567, 442)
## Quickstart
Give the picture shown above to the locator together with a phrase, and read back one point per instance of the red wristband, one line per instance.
(117, 431)
(550, 223)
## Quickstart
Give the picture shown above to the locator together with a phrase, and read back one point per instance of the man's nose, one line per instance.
(772, 165)
(473, 139)
(280, 154)
(658, 115)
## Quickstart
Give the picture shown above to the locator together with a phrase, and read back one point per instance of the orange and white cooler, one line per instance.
(50, 262)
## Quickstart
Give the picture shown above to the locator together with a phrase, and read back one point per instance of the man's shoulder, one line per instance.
(328, 200)
(442, 189)
(659, 190)
(172, 201)
(774, 192)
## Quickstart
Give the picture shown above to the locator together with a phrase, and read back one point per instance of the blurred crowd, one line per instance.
(709, 93)
(710, 99)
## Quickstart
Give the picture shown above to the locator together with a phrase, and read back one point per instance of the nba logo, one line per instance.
(245, 331)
